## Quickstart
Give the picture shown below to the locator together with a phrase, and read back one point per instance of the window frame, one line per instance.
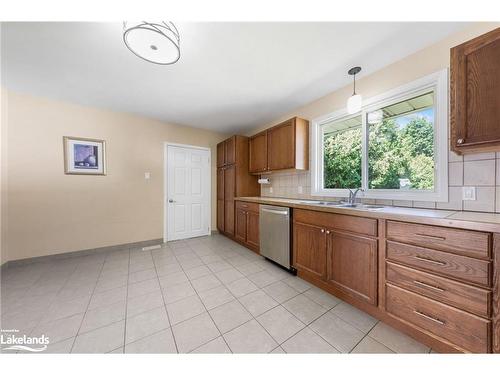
(436, 82)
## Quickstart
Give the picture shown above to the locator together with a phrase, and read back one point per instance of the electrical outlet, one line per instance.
(271, 189)
(469, 193)
(147, 175)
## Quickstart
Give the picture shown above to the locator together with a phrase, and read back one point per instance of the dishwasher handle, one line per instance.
(285, 213)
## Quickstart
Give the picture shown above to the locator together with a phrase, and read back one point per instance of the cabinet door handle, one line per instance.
(435, 320)
(428, 286)
(322, 231)
(430, 236)
(327, 232)
(436, 262)
(460, 141)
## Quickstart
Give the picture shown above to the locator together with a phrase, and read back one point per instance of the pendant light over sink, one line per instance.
(158, 43)
(354, 102)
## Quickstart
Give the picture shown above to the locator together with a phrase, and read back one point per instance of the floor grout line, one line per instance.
(206, 310)
(88, 304)
(164, 302)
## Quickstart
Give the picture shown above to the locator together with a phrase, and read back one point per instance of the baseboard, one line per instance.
(71, 254)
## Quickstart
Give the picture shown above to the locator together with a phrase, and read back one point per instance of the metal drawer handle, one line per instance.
(431, 236)
(428, 285)
(435, 320)
(437, 262)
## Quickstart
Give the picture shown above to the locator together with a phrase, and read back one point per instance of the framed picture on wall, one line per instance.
(84, 156)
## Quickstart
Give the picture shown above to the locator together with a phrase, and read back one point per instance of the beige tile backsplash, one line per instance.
(479, 170)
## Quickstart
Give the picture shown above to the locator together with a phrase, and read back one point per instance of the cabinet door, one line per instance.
(309, 249)
(229, 189)
(281, 146)
(240, 231)
(230, 150)
(258, 153)
(352, 265)
(220, 183)
(221, 154)
(220, 199)
(220, 215)
(475, 93)
(253, 238)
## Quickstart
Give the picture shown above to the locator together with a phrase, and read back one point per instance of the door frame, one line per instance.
(165, 185)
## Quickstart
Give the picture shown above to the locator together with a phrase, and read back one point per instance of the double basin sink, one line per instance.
(344, 205)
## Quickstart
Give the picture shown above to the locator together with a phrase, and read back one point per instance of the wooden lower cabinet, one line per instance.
(445, 296)
(309, 249)
(352, 265)
(241, 225)
(253, 238)
(220, 215)
(466, 330)
(229, 217)
(247, 225)
(346, 261)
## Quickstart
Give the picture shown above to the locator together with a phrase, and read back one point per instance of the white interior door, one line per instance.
(188, 192)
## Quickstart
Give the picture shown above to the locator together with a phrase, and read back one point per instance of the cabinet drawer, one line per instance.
(456, 266)
(347, 223)
(466, 297)
(254, 207)
(459, 327)
(458, 241)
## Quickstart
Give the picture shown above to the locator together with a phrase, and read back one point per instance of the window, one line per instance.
(396, 148)
(342, 154)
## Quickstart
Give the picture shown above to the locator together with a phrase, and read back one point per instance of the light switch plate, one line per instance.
(147, 175)
(469, 193)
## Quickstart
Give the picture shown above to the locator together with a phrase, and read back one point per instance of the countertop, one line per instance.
(488, 222)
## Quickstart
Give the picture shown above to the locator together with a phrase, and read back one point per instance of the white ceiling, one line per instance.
(231, 76)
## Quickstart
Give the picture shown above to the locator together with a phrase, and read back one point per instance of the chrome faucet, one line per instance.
(352, 195)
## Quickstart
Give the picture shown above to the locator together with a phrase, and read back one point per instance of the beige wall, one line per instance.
(50, 212)
(480, 170)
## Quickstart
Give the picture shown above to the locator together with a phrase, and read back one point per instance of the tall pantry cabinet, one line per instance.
(233, 180)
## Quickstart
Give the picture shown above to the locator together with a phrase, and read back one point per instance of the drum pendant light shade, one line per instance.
(158, 43)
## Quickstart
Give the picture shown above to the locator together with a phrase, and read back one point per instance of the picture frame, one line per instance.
(84, 156)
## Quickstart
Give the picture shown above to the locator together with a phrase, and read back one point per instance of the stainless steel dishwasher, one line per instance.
(274, 228)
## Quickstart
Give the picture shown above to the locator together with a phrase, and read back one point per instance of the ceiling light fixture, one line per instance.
(354, 102)
(158, 43)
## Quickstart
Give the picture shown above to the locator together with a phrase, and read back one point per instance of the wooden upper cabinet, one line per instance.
(352, 265)
(221, 154)
(258, 153)
(475, 94)
(284, 146)
(230, 150)
(281, 145)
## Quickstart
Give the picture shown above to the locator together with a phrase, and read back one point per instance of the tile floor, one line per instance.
(203, 295)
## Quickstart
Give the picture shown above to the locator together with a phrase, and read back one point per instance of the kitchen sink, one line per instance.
(322, 203)
(372, 206)
(344, 205)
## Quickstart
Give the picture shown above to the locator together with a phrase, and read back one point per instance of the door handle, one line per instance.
(171, 201)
